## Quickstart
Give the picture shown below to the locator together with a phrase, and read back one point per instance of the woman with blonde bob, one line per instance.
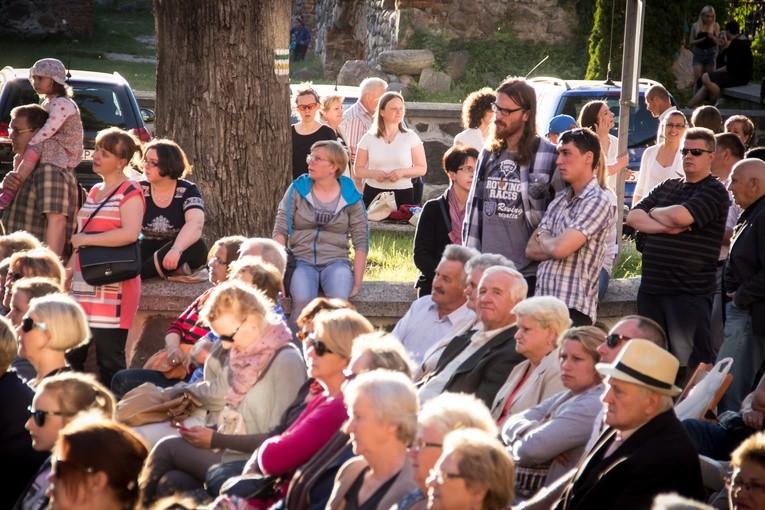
(473, 472)
(547, 440)
(53, 325)
(540, 321)
(260, 274)
(382, 412)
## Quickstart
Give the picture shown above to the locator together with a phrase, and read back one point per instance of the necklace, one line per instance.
(164, 197)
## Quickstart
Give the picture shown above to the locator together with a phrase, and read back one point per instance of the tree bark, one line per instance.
(223, 96)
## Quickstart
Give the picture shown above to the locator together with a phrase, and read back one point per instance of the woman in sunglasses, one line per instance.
(252, 374)
(56, 402)
(308, 129)
(547, 440)
(53, 325)
(318, 215)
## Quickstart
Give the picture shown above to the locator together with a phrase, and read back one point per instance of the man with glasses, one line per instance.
(515, 181)
(571, 240)
(684, 223)
(46, 204)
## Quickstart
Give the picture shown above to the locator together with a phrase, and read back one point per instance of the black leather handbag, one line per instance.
(102, 265)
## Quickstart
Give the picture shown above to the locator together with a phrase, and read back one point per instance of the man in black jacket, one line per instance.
(744, 284)
(644, 451)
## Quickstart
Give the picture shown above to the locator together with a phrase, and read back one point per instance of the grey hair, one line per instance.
(369, 85)
(486, 260)
(270, 251)
(450, 411)
(518, 288)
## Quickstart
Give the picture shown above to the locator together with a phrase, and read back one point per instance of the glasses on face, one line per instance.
(505, 112)
(613, 340)
(737, 484)
(147, 163)
(307, 107)
(695, 152)
(319, 347)
(440, 477)
(215, 261)
(230, 338)
(420, 445)
(669, 125)
(311, 158)
(468, 169)
(28, 324)
(13, 132)
(60, 466)
(39, 416)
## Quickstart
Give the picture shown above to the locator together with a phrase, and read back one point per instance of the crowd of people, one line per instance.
(498, 388)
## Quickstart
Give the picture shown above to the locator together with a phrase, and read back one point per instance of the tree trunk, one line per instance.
(223, 96)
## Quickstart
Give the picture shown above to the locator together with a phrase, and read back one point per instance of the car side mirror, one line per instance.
(148, 116)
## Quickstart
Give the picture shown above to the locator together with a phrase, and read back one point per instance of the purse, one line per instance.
(382, 206)
(102, 265)
(158, 361)
(148, 403)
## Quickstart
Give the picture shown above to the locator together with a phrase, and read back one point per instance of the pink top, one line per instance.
(321, 418)
(64, 126)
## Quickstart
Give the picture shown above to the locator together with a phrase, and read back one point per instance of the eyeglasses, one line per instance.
(738, 484)
(669, 125)
(440, 477)
(147, 163)
(696, 152)
(467, 169)
(311, 158)
(12, 131)
(420, 445)
(60, 466)
(307, 107)
(613, 340)
(215, 261)
(505, 112)
(28, 324)
(230, 338)
(39, 416)
(319, 347)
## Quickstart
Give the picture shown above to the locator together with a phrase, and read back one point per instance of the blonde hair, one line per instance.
(238, 299)
(328, 101)
(9, 344)
(707, 9)
(21, 240)
(484, 463)
(67, 324)
(383, 350)
(547, 311)
(265, 276)
(590, 337)
(77, 392)
(338, 156)
(40, 262)
(450, 411)
(339, 328)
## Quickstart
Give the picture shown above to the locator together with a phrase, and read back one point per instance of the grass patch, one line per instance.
(114, 32)
(630, 261)
(390, 258)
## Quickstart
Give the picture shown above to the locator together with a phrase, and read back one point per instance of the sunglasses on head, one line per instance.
(39, 416)
(28, 324)
(319, 347)
(613, 340)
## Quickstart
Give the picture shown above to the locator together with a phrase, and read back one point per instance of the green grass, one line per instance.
(114, 32)
(630, 261)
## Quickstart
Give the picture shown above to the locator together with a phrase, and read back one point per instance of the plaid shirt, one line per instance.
(574, 279)
(356, 122)
(49, 189)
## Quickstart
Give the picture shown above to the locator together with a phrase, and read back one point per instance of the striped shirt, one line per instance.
(685, 263)
(356, 122)
(574, 279)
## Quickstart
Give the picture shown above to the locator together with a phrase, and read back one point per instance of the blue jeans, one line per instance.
(713, 441)
(334, 279)
(747, 351)
(125, 380)
(604, 277)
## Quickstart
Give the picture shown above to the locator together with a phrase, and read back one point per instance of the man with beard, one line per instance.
(430, 318)
(515, 182)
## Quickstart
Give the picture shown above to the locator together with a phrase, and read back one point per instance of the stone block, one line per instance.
(354, 71)
(455, 63)
(435, 81)
(405, 61)
(400, 88)
(434, 153)
(406, 79)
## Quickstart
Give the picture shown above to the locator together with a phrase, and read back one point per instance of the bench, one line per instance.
(383, 303)
(749, 92)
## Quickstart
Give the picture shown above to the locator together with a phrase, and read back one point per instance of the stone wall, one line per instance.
(33, 19)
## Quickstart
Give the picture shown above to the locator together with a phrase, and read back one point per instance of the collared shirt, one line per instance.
(433, 354)
(574, 279)
(356, 122)
(435, 386)
(421, 327)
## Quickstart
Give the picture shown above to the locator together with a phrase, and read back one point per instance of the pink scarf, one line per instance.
(248, 366)
(456, 215)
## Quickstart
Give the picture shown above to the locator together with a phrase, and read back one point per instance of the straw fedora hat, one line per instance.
(646, 364)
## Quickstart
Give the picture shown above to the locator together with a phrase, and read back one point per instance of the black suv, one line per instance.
(104, 99)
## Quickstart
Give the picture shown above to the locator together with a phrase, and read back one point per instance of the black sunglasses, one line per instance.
(319, 347)
(230, 338)
(28, 324)
(695, 152)
(39, 416)
(613, 340)
(14, 276)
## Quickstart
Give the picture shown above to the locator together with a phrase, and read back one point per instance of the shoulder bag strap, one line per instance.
(441, 202)
(100, 206)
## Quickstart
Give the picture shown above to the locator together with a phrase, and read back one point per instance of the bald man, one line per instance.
(744, 284)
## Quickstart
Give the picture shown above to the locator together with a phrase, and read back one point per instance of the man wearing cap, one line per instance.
(644, 451)
(515, 181)
(559, 124)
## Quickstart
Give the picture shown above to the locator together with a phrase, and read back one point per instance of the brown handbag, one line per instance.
(150, 404)
(159, 362)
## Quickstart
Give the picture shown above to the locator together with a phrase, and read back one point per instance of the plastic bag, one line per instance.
(703, 394)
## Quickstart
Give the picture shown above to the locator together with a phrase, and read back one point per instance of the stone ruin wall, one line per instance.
(40, 18)
(362, 29)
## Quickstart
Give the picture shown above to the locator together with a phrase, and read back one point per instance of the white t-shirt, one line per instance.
(611, 156)
(388, 156)
(652, 173)
(472, 137)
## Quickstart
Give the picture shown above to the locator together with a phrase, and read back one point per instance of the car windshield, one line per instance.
(643, 125)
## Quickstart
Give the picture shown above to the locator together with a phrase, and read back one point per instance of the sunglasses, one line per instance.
(28, 324)
(230, 338)
(39, 416)
(696, 152)
(613, 340)
(319, 347)
(307, 107)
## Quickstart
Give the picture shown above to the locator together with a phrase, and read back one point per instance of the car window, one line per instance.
(643, 126)
(100, 107)
(21, 93)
